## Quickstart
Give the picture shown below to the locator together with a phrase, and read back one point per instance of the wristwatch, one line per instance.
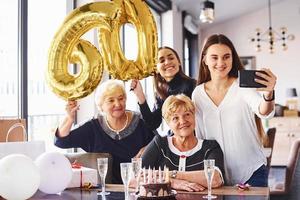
(174, 174)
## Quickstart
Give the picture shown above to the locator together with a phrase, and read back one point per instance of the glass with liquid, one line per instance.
(136, 171)
(126, 171)
(209, 169)
(102, 169)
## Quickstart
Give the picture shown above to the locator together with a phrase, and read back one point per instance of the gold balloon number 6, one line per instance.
(68, 47)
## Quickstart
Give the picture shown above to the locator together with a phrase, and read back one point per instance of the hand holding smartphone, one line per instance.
(247, 79)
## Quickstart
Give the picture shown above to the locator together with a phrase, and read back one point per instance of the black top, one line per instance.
(158, 154)
(95, 136)
(178, 85)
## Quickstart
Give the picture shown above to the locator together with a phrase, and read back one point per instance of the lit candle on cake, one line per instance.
(159, 175)
(144, 174)
(164, 174)
(154, 176)
(149, 175)
(167, 178)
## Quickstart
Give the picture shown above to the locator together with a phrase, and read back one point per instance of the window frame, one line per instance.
(23, 56)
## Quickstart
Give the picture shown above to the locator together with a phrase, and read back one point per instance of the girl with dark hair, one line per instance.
(225, 112)
(169, 80)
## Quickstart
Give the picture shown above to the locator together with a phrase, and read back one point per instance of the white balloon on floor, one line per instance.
(56, 172)
(19, 177)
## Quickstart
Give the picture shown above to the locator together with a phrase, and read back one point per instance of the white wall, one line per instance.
(285, 64)
(172, 30)
(167, 28)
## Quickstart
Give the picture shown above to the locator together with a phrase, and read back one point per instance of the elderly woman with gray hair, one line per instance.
(183, 153)
(117, 131)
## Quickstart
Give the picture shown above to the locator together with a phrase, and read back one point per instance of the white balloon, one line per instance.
(56, 172)
(19, 177)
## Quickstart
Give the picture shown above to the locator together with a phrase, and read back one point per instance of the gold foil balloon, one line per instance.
(138, 14)
(108, 17)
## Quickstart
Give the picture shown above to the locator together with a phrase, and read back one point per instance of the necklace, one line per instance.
(114, 130)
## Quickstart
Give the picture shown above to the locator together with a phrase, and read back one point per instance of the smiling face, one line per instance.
(110, 98)
(182, 122)
(179, 113)
(218, 58)
(114, 104)
(168, 64)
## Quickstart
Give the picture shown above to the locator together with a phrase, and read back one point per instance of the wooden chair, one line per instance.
(271, 137)
(90, 160)
(292, 165)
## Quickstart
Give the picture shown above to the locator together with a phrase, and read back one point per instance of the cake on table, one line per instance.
(156, 185)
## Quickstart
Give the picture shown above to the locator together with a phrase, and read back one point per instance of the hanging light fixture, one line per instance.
(207, 14)
(271, 36)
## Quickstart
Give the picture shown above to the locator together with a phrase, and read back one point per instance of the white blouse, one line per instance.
(232, 125)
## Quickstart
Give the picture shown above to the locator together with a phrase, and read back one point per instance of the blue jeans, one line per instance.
(259, 178)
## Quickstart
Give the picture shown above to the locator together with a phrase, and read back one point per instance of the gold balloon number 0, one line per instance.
(67, 47)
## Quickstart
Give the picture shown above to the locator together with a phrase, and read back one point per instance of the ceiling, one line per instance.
(224, 9)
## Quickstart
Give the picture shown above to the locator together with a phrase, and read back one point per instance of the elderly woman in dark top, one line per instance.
(117, 131)
(169, 80)
(183, 153)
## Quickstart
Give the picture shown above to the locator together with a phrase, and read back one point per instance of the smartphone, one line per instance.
(247, 79)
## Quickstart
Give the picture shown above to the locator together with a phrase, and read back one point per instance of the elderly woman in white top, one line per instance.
(225, 112)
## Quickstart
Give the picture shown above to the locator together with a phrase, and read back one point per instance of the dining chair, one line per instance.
(293, 165)
(271, 137)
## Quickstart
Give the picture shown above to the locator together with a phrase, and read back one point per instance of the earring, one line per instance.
(170, 133)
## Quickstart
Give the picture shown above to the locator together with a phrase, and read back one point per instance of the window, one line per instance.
(45, 110)
(130, 48)
(191, 54)
(9, 71)
(186, 60)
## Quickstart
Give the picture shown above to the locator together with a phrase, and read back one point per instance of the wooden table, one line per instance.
(223, 193)
(225, 190)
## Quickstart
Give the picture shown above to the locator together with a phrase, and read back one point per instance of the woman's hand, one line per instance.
(269, 82)
(137, 89)
(178, 184)
(71, 109)
(267, 105)
(65, 127)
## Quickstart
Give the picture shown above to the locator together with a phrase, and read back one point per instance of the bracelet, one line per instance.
(272, 99)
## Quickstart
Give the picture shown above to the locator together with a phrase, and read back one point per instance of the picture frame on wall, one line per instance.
(249, 62)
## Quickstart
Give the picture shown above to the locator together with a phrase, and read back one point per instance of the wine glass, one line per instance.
(102, 169)
(126, 169)
(136, 169)
(209, 169)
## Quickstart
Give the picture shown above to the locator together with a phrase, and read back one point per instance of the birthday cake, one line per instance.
(156, 188)
(156, 191)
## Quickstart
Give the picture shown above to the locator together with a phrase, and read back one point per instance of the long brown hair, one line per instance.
(261, 132)
(160, 84)
(204, 74)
